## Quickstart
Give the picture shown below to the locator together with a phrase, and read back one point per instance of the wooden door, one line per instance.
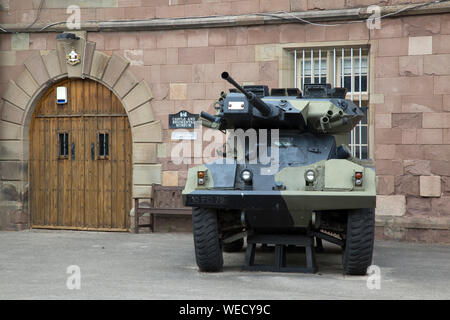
(80, 160)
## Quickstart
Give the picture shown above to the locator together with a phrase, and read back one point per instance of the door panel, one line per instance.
(77, 159)
(82, 191)
(91, 170)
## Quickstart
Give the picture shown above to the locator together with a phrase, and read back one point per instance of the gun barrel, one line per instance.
(252, 98)
(207, 116)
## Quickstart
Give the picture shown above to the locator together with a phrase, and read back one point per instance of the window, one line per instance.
(315, 72)
(103, 145)
(352, 74)
(63, 145)
(341, 67)
(358, 138)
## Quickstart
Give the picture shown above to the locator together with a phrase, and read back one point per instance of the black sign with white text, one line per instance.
(182, 120)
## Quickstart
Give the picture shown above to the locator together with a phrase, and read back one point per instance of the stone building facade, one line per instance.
(158, 64)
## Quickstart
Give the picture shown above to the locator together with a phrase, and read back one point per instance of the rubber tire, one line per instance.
(358, 250)
(234, 246)
(208, 250)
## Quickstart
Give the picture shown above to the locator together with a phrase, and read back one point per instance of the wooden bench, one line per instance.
(162, 201)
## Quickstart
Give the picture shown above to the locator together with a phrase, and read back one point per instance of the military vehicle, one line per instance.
(317, 189)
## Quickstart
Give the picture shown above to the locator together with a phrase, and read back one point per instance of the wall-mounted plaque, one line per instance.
(183, 135)
(182, 120)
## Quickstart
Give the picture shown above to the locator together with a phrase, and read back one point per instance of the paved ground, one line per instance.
(33, 264)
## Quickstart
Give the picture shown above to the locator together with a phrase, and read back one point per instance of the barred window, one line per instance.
(316, 71)
(102, 145)
(341, 67)
(351, 78)
(63, 145)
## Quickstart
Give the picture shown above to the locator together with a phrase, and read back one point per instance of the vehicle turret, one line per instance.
(321, 109)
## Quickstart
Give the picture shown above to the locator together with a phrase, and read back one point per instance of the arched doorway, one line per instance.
(80, 160)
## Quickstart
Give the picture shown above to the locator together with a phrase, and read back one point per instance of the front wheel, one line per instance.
(358, 250)
(208, 250)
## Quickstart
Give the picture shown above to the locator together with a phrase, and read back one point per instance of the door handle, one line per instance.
(73, 151)
(92, 151)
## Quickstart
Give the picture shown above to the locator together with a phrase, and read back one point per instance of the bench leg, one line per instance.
(136, 216)
(152, 222)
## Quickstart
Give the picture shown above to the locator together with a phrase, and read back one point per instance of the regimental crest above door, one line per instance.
(73, 57)
(75, 53)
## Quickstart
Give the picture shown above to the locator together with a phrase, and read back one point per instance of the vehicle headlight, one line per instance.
(247, 176)
(310, 176)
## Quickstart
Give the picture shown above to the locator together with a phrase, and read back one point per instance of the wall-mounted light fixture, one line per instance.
(68, 37)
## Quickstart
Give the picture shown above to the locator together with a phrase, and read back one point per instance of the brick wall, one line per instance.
(24, 11)
(412, 127)
(411, 80)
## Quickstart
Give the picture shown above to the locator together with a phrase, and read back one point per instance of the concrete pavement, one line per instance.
(33, 265)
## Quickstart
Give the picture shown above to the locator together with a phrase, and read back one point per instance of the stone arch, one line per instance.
(19, 100)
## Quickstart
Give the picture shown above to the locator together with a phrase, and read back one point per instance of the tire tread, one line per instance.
(358, 250)
(208, 251)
